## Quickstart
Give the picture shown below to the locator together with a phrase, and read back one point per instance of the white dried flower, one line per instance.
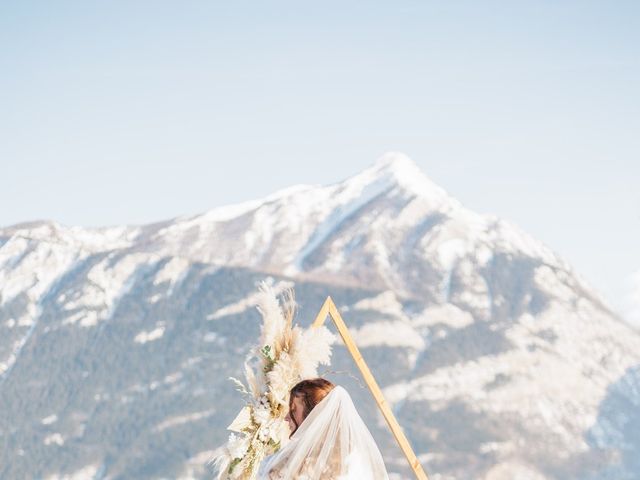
(284, 375)
(285, 355)
(237, 445)
(313, 348)
(273, 320)
(261, 414)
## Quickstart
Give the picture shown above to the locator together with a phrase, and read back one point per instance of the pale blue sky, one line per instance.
(133, 111)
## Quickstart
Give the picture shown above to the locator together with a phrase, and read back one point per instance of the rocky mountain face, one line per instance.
(500, 362)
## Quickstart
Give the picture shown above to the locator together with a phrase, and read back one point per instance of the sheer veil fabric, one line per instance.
(332, 443)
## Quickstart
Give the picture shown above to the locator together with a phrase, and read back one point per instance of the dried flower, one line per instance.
(284, 355)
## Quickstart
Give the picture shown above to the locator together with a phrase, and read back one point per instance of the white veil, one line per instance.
(332, 443)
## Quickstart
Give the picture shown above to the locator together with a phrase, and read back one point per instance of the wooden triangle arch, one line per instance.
(329, 308)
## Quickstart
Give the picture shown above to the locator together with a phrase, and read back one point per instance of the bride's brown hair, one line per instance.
(311, 392)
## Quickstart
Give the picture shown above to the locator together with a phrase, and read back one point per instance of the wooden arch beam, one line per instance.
(329, 308)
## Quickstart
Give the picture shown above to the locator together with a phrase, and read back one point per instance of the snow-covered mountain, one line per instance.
(499, 360)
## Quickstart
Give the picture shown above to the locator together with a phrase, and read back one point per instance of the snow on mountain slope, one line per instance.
(505, 362)
(632, 301)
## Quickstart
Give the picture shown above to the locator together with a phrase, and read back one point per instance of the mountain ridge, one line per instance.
(390, 172)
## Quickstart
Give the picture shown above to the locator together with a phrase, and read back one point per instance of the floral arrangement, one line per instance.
(285, 354)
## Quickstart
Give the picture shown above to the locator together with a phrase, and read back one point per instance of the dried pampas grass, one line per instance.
(285, 354)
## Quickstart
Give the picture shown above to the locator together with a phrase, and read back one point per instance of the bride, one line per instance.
(328, 441)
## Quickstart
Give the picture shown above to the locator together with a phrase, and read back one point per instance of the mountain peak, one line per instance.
(396, 161)
(401, 170)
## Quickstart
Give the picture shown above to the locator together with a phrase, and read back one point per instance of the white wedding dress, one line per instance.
(332, 443)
